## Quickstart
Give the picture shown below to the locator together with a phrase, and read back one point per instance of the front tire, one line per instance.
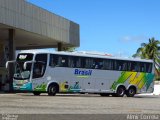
(131, 92)
(52, 90)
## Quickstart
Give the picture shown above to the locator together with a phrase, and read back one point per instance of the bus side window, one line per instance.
(137, 67)
(145, 67)
(64, 61)
(97, 64)
(108, 64)
(133, 67)
(129, 66)
(53, 60)
(59, 61)
(100, 64)
(142, 67)
(104, 65)
(120, 65)
(124, 66)
(71, 62)
(89, 63)
(148, 67)
(79, 62)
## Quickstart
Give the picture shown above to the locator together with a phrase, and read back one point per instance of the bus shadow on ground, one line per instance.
(63, 95)
(86, 95)
(147, 96)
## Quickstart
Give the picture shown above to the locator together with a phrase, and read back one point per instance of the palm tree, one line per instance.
(150, 50)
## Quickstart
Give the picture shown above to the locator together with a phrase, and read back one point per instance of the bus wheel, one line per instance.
(120, 91)
(36, 93)
(131, 92)
(104, 94)
(52, 90)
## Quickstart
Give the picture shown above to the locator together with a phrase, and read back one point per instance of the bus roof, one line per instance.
(86, 54)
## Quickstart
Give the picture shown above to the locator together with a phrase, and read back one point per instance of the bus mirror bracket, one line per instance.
(7, 63)
(25, 64)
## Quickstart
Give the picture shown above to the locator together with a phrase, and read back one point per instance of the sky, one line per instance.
(117, 27)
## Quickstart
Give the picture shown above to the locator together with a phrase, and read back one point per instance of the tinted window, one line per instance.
(149, 67)
(41, 57)
(59, 60)
(99, 63)
(65, 61)
(79, 62)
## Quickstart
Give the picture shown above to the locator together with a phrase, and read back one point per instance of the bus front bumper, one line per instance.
(24, 87)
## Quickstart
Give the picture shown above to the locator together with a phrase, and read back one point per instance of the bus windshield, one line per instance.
(20, 72)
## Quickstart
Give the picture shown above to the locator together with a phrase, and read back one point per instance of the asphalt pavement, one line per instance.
(72, 105)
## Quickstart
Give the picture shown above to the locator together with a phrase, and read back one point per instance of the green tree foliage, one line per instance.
(150, 50)
(69, 49)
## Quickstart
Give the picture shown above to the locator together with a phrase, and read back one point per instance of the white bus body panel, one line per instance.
(92, 80)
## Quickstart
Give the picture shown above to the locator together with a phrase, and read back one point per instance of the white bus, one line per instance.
(81, 72)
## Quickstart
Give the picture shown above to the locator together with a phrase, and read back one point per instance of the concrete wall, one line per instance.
(23, 15)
